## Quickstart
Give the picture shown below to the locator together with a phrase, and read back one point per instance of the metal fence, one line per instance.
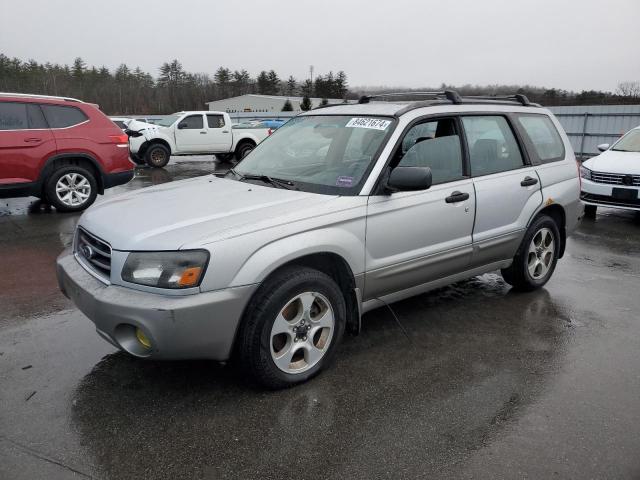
(590, 125)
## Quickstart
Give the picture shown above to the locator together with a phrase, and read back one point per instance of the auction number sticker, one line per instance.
(375, 123)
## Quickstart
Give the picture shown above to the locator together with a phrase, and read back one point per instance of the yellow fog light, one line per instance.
(142, 338)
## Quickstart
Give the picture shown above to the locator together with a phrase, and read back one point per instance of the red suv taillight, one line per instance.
(124, 138)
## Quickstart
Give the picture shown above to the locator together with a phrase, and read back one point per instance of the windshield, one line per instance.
(629, 143)
(322, 154)
(166, 121)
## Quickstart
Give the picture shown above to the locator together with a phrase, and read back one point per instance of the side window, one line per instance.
(215, 121)
(436, 145)
(36, 117)
(193, 122)
(544, 136)
(59, 116)
(13, 116)
(492, 145)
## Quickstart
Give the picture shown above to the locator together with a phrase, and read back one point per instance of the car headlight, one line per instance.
(181, 269)
(585, 172)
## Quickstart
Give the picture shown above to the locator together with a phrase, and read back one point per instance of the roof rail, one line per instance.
(450, 95)
(522, 99)
(31, 95)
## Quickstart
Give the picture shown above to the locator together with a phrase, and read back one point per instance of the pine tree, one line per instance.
(305, 105)
(287, 107)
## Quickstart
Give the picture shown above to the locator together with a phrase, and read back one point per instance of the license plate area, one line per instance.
(624, 194)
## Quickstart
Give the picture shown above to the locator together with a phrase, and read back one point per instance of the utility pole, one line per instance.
(311, 73)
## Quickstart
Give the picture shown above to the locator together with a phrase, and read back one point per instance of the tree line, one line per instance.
(128, 90)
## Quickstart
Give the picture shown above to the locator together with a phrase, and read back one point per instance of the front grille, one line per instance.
(94, 252)
(615, 178)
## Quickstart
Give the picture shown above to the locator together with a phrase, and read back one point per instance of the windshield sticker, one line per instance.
(375, 123)
(344, 181)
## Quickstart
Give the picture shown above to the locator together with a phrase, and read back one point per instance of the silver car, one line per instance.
(342, 210)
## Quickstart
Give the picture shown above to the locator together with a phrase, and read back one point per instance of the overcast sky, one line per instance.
(585, 44)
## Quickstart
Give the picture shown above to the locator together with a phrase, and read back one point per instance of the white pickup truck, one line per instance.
(191, 133)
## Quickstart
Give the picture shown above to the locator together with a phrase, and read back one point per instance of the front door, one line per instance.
(191, 134)
(417, 237)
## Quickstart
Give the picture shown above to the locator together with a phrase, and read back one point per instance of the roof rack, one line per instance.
(451, 95)
(30, 95)
(522, 99)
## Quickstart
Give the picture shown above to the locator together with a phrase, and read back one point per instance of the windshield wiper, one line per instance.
(276, 182)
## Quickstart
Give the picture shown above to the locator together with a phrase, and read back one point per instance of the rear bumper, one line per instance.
(179, 327)
(110, 180)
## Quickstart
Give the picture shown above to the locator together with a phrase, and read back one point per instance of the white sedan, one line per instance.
(612, 179)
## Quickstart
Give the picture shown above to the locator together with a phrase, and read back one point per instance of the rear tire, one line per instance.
(292, 327)
(537, 256)
(157, 155)
(71, 188)
(590, 211)
(243, 150)
(225, 157)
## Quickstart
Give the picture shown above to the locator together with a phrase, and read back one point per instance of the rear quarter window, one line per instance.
(59, 116)
(543, 136)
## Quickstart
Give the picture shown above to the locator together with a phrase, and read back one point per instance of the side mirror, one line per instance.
(407, 179)
(603, 147)
(182, 125)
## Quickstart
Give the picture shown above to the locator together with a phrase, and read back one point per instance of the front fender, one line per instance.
(348, 243)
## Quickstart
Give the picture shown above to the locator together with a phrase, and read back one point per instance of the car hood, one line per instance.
(194, 212)
(615, 162)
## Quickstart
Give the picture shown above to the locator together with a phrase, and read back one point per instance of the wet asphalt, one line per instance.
(475, 382)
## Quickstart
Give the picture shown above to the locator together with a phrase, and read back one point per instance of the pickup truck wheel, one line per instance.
(71, 188)
(157, 155)
(537, 256)
(243, 150)
(292, 327)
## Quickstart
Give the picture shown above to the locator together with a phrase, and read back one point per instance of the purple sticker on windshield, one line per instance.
(344, 181)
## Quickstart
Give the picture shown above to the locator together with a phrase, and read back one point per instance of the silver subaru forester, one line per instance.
(342, 210)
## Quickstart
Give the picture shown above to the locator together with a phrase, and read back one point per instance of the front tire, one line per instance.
(71, 188)
(536, 259)
(157, 155)
(292, 327)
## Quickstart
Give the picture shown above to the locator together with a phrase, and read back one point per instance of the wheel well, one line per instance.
(77, 160)
(145, 146)
(245, 141)
(338, 269)
(556, 212)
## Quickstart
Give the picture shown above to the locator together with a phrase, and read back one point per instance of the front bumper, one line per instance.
(179, 327)
(600, 194)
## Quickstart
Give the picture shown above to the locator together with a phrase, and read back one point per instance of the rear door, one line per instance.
(192, 135)
(25, 142)
(219, 133)
(507, 187)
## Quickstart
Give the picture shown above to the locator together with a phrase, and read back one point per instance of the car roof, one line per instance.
(25, 97)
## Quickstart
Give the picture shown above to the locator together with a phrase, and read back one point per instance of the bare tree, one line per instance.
(629, 89)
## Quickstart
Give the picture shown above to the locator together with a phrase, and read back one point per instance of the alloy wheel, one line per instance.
(73, 189)
(541, 254)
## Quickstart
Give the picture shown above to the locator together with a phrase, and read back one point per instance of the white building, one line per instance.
(263, 103)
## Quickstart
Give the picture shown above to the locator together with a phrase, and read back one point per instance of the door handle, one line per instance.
(203, 133)
(528, 181)
(225, 131)
(32, 140)
(457, 197)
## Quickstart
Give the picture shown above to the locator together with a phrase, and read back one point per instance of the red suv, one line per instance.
(61, 150)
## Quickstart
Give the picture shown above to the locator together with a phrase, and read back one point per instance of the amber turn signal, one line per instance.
(190, 277)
